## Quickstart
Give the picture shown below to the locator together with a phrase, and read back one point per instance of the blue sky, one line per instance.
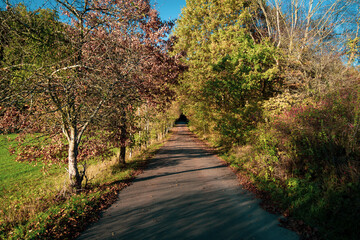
(169, 9)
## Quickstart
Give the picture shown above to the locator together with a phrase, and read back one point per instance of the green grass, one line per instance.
(19, 175)
(24, 188)
(11, 170)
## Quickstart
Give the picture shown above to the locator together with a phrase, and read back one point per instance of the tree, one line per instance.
(151, 81)
(31, 39)
(227, 62)
(312, 36)
(353, 45)
(105, 40)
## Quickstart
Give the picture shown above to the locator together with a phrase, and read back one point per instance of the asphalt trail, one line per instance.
(186, 193)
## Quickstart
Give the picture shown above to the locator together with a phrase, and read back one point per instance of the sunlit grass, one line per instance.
(24, 188)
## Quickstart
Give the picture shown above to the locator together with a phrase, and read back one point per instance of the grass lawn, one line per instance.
(18, 175)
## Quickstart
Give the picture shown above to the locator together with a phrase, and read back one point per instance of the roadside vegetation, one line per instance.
(86, 87)
(275, 86)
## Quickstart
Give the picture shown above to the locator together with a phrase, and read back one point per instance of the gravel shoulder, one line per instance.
(186, 193)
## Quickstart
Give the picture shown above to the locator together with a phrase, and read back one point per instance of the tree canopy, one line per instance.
(112, 57)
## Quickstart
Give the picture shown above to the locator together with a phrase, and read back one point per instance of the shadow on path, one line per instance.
(186, 193)
(174, 173)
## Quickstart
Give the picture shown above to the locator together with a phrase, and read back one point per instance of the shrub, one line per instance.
(323, 135)
(308, 155)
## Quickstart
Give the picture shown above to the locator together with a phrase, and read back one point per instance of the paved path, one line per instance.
(186, 193)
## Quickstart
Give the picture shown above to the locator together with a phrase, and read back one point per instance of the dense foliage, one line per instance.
(229, 71)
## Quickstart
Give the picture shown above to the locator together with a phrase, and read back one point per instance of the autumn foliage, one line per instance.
(110, 59)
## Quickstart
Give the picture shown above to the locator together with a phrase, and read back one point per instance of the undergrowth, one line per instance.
(308, 158)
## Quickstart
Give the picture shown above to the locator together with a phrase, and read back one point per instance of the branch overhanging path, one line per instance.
(186, 193)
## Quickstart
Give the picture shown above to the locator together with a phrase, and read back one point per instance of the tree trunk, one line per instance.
(74, 176)
(123, 139)
(147, 127)
(122, 155)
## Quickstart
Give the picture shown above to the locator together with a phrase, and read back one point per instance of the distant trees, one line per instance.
(112, 57)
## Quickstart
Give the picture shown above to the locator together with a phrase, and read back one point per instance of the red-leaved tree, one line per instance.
(115, 56)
